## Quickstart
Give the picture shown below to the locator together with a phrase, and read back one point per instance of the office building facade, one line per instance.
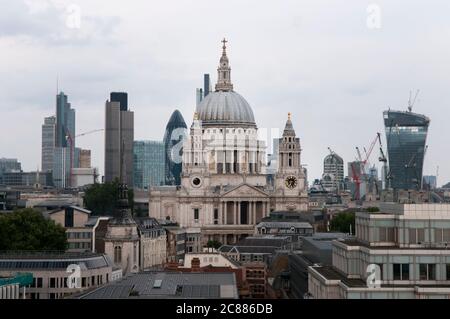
(149, 164)
(407, 243)
(406, 135)
(333, 173)
(119, 137)
(48, 143)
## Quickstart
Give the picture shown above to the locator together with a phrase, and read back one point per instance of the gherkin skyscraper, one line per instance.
(176, 133)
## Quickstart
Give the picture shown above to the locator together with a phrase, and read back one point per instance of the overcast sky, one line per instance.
(336, 65)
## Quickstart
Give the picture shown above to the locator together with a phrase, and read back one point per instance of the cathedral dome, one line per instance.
(226, 108)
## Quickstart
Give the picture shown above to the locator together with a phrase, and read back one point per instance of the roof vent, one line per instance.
(157, 283)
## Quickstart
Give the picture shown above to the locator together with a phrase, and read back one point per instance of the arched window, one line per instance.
(117, 254)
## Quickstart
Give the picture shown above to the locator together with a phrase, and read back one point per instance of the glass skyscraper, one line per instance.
(406, 135)
(176, 133)
(149, 164)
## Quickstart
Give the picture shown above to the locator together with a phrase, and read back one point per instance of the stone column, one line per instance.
(234, 213)
(255, 205)
(238, 221)
(224, 212)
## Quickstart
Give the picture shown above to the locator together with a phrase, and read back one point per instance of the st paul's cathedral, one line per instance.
(224, 189)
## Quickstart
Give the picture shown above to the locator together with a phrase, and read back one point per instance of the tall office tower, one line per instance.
(406, 135)
(198, 96)
(85, 158)
(48, 143)
(206, 85)
(119, 136)
(333, 172)
(61, 167)
(64, 151)
(149, 160)
(176, 133)
(65, 122)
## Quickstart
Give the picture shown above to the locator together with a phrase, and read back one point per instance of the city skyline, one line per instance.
(162, 72)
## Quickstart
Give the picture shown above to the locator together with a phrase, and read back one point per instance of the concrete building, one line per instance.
(8, 165)
(9, 198)
(255, 249)
(119, 137)
(49, 271)
(333, 173)
(149, 164)
(27, 179)
(152, 243)
(14, 286)
(405, 244)
(80, 227)
(85, 159)
(83, 176)
(224, 188)
(170, 285)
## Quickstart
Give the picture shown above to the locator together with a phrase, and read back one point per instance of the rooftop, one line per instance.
(154, 285)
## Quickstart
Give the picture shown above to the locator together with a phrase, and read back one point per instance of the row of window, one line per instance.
(426, 271)
(82, 245)
(78, 235)
(415, 235)
(61, 282)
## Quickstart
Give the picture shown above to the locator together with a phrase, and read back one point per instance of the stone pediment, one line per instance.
(245, 190)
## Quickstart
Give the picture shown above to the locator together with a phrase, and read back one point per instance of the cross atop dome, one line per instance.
(224, 71)
(224, 41)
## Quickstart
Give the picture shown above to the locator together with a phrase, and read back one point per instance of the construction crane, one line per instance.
(411, 103)
(70, 140)
(90, 132)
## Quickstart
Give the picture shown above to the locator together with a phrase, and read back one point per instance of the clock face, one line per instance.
(291, 182)
(196, 181)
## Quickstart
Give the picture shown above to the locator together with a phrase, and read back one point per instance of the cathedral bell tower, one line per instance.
(290, 178)
(224, 71)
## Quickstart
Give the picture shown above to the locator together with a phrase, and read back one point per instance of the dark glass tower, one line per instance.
(122, 98)
(406, 135)
(206, 84)
(176, 133)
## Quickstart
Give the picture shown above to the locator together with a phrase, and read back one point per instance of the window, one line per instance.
(216, 213)
(68, 217)
(117, 254)
(416, 235)
(401, 271)
(427, 271)
(447, 271)
(39, 283)
(196, 213)
(52, 283)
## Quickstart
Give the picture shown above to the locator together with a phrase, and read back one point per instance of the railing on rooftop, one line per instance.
(44, 254)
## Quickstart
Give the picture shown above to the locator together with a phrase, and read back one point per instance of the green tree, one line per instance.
(372, 209)
(213, 244)
(27, 229)
(342, 221)
(101, 199)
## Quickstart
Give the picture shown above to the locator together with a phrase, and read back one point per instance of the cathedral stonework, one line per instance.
(224, 186)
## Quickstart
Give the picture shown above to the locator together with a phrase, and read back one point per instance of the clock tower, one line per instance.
(290, 179)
